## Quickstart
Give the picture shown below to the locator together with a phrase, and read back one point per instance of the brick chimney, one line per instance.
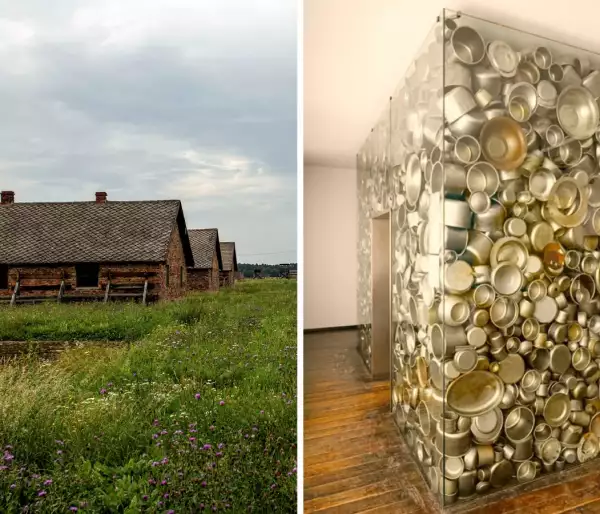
(7, 197)
(100, 197)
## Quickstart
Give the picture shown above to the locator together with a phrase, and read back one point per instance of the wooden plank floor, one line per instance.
(355, 461)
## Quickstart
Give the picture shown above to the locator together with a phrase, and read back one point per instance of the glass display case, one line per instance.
(486, 162)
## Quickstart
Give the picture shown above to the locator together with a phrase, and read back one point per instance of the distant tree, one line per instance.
(267, 270)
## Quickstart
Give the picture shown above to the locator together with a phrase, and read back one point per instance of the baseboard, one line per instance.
(330, 329)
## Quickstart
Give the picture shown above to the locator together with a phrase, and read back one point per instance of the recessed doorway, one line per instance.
(381, 296)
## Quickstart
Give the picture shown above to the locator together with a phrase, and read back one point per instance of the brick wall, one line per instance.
(214, 279)
(205, 279)
(176, 266)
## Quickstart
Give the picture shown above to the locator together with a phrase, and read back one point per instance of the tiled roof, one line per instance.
(228, 255)
(54, 233)
(205, 242)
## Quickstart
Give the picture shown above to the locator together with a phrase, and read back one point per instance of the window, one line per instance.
(181, 276)
(3, 276)
(86, 275)
(167, 271)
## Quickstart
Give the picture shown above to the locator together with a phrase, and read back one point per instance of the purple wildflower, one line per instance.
(220, 445)
(48, 482)
(42, 493)
(13, 486)
(273, 486)
(154, 436)
(110, 384)
(164, 461)
(221, 403)
(166, 496)
(145, 498)
(203, 484)
(103, 391)
(207, 446)
(163, 482)
(198, 396)
(59, 452)
(156, 422)
(211, 428)
(73, 509)
(8, 457)
(151, 481)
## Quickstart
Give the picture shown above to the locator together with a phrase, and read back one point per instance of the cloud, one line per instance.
(167, 99)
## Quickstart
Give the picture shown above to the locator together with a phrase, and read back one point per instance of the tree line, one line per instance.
(266, 270)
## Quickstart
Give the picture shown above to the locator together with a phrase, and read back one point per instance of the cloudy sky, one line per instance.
(194, 100)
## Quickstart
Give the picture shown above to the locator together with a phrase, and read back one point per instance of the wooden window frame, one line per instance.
(4, 278)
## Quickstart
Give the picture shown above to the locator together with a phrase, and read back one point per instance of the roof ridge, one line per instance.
(109, 202)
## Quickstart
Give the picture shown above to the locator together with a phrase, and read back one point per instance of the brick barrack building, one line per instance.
(93, 250)
(208, 262)
(230, 267)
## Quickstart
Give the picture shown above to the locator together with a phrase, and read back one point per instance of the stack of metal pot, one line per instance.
(496, 263)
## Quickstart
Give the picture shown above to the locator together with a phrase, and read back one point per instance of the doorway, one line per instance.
(381, 264)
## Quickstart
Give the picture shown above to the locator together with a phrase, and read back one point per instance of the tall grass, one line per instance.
(200, 413)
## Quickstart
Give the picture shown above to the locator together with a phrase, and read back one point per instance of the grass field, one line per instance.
(198, 413)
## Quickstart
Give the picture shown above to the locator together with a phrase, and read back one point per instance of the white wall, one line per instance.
(330, 240)
(357, 51)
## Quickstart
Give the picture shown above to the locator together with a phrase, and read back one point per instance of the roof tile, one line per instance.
(204, 243)
(54, 233)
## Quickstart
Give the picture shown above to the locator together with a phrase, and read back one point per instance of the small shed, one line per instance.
(230, 266)
(208, 262)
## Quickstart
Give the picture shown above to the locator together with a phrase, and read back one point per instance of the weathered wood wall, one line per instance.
(45, 280)
(226, 278)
